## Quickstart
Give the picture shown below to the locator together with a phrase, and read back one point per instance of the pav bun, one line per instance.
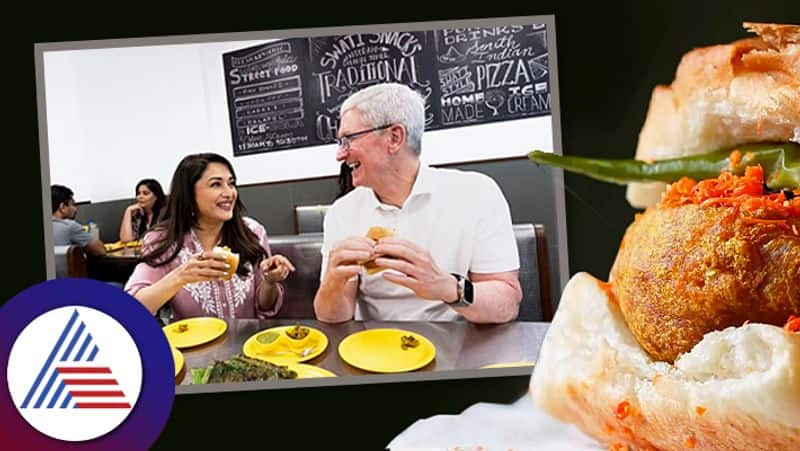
(724, 96)
(737, 389)
(375, 234)
(232, 259)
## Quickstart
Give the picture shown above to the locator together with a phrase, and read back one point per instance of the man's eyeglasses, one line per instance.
(344, 141)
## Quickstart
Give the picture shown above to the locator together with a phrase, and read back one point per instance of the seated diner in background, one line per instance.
(205, 258)
(144, 214)
(67, 231)
(345, 180)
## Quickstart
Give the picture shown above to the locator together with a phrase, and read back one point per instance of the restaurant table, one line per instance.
(125, 254)
(114, 266)
(460, 345)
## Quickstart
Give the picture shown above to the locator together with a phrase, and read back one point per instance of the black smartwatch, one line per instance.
(465, 292)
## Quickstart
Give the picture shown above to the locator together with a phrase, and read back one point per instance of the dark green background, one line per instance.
(610, 55)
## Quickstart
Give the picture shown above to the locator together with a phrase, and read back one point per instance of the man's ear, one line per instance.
(397, 137)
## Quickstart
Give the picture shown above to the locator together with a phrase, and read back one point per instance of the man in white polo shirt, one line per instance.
(453, 255)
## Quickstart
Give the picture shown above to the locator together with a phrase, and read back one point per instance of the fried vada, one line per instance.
(710, 255)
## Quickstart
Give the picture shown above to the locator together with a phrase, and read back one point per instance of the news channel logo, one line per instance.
(87, 367)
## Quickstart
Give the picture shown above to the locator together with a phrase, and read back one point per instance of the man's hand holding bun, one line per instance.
(418, 270)
(346, 259)
(414, 267)
(376, 234)
(335, 298)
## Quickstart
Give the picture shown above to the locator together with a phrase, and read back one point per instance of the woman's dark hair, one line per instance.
(179, 217)
(161, 200)
(345, 180)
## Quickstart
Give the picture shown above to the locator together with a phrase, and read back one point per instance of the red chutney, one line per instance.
(792, 324)
(608, 290)
(745, 192)
(622, 410)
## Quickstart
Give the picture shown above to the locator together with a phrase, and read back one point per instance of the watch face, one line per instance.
(464, 287)
(468, 292)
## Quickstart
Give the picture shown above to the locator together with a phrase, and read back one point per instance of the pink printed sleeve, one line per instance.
(145, 275)
(261, 233)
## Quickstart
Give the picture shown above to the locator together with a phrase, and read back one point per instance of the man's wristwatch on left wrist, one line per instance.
(465, 292)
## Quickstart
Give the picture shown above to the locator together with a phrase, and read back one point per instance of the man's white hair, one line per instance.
(390, 103)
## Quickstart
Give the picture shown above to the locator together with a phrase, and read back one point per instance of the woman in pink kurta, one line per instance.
(179, 266)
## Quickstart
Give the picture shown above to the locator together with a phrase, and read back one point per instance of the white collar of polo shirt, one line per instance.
(422, 185)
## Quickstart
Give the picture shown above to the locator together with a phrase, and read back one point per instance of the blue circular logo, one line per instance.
(87, 367)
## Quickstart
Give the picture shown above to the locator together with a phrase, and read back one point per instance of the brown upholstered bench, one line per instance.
(304, 252)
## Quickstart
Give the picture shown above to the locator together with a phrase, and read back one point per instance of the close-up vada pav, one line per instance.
(693, 341)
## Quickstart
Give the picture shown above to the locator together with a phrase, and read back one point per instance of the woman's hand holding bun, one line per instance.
(204, 266)
(230, 258)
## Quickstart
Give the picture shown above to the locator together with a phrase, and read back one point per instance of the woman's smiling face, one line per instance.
(215, 194)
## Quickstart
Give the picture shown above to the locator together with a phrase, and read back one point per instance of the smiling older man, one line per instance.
(453, 255)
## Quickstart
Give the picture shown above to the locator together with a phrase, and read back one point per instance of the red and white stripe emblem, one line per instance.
(92, 387)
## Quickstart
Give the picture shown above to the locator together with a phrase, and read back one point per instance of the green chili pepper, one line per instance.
(781, 164)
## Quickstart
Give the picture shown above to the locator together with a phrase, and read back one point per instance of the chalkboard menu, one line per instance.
(266, 102)
(491, 74)
(287, 94)
(342, 65)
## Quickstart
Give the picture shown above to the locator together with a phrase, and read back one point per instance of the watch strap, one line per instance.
(465, 292)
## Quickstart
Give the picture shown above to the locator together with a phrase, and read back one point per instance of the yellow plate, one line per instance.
(111, 247)
(309, 371)
(177, 357)
(507, 365)
(380, 351)
(198, 331)
(282, 354)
